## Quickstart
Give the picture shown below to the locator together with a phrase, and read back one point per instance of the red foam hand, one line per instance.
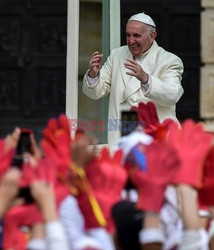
(56, 143)
(28, 175)
(64, 124)
(162, 166)
(24, 215)
(134, 108)
(206, 193)
(5, 157)
(49, 131)
(45, 170)
(106, 178)
(147, 114)
(191, 143)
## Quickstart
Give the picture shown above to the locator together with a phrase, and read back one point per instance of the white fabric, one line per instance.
(73, 222)
(204, 213)
(165, 70)
(145, 87)
(130, 195)
(151, 235)
(92, 81)
(141, 17)
(211, 229)
(36, 244)
(126, 143)
(171, 222)
(194, 240)
(103, 238)
(55, 236)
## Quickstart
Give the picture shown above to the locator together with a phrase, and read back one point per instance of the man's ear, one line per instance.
(153, 36)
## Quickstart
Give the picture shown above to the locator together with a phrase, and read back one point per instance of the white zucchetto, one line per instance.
(141, 17)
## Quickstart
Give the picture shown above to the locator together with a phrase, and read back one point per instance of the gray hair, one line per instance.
(151, 28)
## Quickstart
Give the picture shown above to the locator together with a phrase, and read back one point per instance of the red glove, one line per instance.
(162, 166)
(191, 144)
(46, 171)
(106, 179)
(57, 148)
(5, 157)
(24, 215)
(57, 142)
(147, 115)
(206, 193)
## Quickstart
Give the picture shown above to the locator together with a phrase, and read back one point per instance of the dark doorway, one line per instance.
(32, 62)
(178, 28)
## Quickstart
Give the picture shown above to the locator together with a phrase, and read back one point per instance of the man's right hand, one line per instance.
(95, 64)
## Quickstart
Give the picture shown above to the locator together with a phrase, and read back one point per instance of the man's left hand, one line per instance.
(136, 70)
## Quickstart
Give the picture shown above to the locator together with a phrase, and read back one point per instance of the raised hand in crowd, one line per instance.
(44, 196)
(148, 118)
(151, 183)
(192, 144)
(56, 144)
(9, 188)
(83, 150)
(7, 149)
(99, 187)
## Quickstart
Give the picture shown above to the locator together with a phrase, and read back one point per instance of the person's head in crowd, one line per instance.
(140, 33)
(128, 221)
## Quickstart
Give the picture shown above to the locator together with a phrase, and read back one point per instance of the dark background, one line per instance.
(178, 29)
(33, 37)
(33, 55)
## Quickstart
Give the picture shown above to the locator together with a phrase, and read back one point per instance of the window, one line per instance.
(90, 21)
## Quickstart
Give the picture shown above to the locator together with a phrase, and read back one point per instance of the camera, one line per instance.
(24, 145)
(129, 122)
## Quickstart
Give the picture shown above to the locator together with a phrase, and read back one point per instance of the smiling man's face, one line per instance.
(139, 37)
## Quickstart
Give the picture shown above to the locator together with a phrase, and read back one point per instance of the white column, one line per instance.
(114, 24)
(72, 59)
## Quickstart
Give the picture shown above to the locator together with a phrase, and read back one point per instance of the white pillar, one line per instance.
(114, 24)
(72, 59)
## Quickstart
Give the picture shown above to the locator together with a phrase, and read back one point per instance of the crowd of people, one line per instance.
(154, 191)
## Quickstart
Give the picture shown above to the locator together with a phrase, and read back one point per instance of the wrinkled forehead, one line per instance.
(136, 26)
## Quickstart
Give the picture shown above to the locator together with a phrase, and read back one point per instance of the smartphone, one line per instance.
(24, 145)
(129, 121)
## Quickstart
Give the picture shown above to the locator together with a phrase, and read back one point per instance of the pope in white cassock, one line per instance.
(140, 71)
